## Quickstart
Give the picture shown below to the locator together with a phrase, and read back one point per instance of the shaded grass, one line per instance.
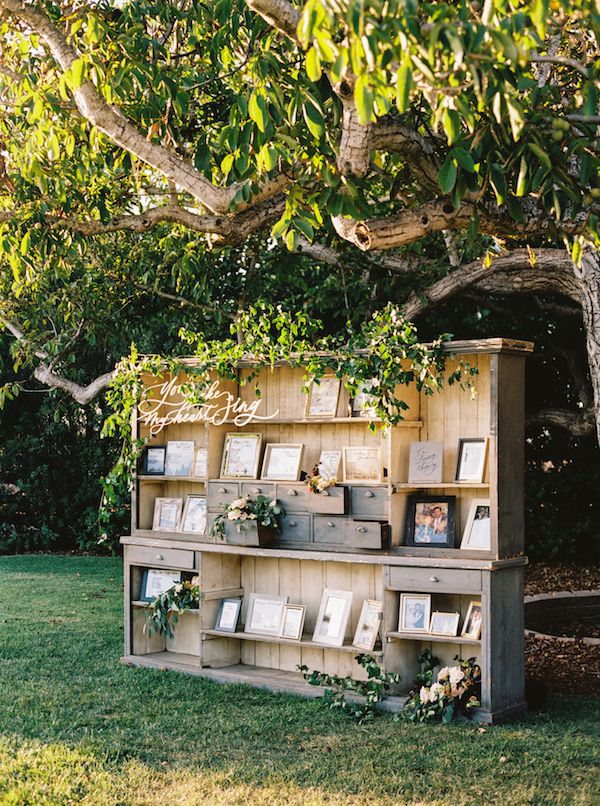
(76, 726)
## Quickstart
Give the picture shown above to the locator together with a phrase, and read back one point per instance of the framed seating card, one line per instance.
(323, 397)
(282, 462)
(241, 455)
(478, 534)
(200, 465)
(180, 457)
(425, 463)
(156, 581)
(332, 618)
(329, 464)
(362, 465)
(367, 628)
(194, 515)
(415, 609)
(153, 460)
(470, 463)
(228, 615)
(265, 614)
(167, 514)
(292, 622)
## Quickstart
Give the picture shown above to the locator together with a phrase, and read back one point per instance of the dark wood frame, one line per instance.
(411, 508)
(144, 463)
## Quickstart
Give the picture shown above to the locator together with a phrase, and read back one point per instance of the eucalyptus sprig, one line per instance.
(163, 613)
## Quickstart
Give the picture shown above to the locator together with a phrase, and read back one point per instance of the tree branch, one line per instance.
(416, 151)
(578, 423)
(279, 14)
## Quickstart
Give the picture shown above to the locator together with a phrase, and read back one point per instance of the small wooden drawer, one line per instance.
(351, 534)
(222, 492)
(370, 502)
(293, 497)
(159, 557)
(254, 488)
(430, 580)
(295, 529)
(332, 501)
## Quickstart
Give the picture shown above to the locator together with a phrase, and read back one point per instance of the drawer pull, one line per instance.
(369, 494)
(331, 524)
(292, 523)
(434, 579)
(292, 492)
(159, 557)
(257, 490)
(361, 529)
(222, 489)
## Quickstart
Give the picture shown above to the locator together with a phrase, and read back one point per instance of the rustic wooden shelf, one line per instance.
(306, 642)
(152, 477)
(427, 636)
(329, 420)
(442, 485)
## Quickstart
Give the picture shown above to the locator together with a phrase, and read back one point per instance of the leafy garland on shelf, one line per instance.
(264, 511)
(163, 613)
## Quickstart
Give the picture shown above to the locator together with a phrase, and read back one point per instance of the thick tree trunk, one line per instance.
(589, 282)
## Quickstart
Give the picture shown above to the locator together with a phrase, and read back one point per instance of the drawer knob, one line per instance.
(292, 523)
(361, 529)
(434, 579)
(292, 492)
(331, 524)
(257, 490)
(222, 489)
(159, 557)
(369, 494)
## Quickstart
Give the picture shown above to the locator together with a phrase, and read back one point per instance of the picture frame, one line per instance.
(470, 459)
(369, 622)
(193, 520)
(443, 623)
(241, 455)
(292, 622)
(361, 405)
(329, 464)
(415, 612)
(282, 461)
(425, 463)
(156, 581)
(332, 618)
(228, 614)
(200, 464)
(473, 621)
(180, 457)
(430, 521)
(265, 613)
(362, 465)
(153, 460)
(167, 514)
(477, 535)
(323, 397)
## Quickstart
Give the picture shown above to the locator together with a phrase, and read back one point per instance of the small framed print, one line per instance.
(282, 462)
(180, 457)
(228, 615)
(363, 404)
(265, 614)
(241, 455)
(444, 623)
(362, 465)
(200, 465)
(153, 460)
(470, 462)
(332, 618)
(430, 521)
(292, 622)
(425, 463)
(473, 621)
(367, 628)
(193, 520)
(167, 514)
(329, 464)
(156, 581)
(323, 396)
(478, 534)
(415, 609)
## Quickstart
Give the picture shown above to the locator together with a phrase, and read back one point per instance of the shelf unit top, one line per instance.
(427, 636)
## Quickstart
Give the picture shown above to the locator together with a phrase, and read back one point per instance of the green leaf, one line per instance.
(363, 98)
(498, 180)
(313, 65)
(464, 159)
(314, 120)
(447, 175)
(451, 124)
(522, 179)
(24, 248)
(404, 85)
(515, 116)
(77, 73)
(540, 154)
(257, 109)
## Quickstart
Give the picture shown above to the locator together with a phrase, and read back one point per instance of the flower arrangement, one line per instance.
(455, 690)
(317, 483)
(163, 613)
(262, 510)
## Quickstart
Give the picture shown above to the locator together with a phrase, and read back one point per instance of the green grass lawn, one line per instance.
(76, 726)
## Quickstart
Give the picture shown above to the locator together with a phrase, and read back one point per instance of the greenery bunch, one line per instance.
(455, 690)
(264, 511)
(163, 613)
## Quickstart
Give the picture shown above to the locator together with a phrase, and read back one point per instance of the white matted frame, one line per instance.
(415, 612)
(241, 455)
(473, 621)
(292, 622)
(362, 465)
(265, 613)
(200, 465)
(367, 628)
(167, 514)
(323, 396)
(282, 461)
(478, 532)
(180, 457)
(444, 623)
(470, 460)
(193, 520)
(228, 615)
(332, 619)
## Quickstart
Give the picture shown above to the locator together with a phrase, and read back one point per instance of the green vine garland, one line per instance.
(163, 613)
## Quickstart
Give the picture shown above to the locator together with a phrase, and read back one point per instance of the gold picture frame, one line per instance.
(362, 465)
(241, 455)
(323, 398)
(282, 461)
(167, 514)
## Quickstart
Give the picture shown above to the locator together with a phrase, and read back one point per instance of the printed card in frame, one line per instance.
(200, 465)
(265, 613)
(156, 581)
(193, 520)
(329, 464)
(167, 514)
(425, 463)
(282, 461)
(444, 623)
(477, 535)
(415, 609)
(180, 457)
(241, 455)
(292, 622)
(363, 404)
(228, 615)
(332, 619)
(470, 462)
(362, 465)
(153, 461)
(367, 628)
(323, 396)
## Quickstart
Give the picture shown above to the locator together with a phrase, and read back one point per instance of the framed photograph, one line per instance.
(329, 464)
(200, 465)
(156, 581)
(425, 463)
(363, 405)
(332, 618)
(292, 622)
(323, 397)
(473, 621)
(362, 465)
(153, 460)
(241, 456)
(180, 457)
(367, 628)
(265, 614)
(444, 623)
(167, 514)
(228, 615)
(470, 462)
(194, 515)
(478, 535)
(282, 462)
(430, 521)
(415, 609)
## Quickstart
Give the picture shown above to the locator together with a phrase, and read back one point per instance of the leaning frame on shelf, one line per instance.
(351, 538)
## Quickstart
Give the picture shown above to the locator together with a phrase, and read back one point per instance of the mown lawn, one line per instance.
(78, 727)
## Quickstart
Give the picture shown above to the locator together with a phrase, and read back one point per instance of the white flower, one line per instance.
(239, 503)
(443, 673)
(436, 692)
(252, 516)
(233, 515)
(424, 695)
(273, 503)
(456, 675)
(178, 588)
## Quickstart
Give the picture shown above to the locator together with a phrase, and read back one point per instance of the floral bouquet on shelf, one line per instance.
(264, 511)
(163, 613)
(317, 483)
(455, 690)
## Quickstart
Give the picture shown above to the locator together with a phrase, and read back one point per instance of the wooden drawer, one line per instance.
(295, 529)
(351, 534)
(254, 488)
(222, 492)
(332, 501)
(430, 580)
(159, 557)
(370, 502)
(293, 497)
